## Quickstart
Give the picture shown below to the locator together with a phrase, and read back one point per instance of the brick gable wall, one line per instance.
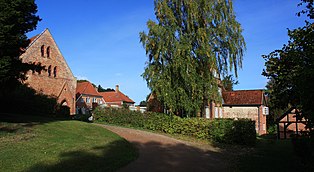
(63, 86)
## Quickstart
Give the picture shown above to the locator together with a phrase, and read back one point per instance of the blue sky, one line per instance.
(100, 38)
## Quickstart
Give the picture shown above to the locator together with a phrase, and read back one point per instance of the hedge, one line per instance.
(227, 131)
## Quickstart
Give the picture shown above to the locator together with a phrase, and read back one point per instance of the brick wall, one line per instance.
(253, 113)
(62, 83)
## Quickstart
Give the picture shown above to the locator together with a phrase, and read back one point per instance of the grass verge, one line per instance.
(61, 146)
(270, 155)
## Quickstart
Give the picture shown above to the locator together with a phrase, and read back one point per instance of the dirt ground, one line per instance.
(162, 153)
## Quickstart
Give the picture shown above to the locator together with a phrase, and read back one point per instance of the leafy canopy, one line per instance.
(228, 82)
(17, 17)
(189, 42)
(291, 69)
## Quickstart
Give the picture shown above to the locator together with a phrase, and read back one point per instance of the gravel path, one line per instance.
(162, 153)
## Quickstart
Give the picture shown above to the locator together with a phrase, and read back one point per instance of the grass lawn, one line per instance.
(61, 146)
(270, 155)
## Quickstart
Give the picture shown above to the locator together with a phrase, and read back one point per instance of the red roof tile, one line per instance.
(86, 88)
(243, 97)
(33, 38)
(115, 96)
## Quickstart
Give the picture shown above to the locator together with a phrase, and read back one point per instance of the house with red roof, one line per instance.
(250, 104)
(87, 97)
(116, 98)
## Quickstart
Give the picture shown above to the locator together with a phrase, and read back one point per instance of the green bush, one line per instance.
(219, 130)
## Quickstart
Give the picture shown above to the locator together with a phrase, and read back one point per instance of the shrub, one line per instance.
(219, 130)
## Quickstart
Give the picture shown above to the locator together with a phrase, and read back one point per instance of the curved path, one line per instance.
(162, 153)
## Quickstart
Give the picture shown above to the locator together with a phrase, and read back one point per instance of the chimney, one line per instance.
(117, 88)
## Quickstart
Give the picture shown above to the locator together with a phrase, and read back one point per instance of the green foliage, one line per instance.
(143, 103)
(101, 89)
(188, 43)
(233, 131)
(81, 80)
(223, 130)
(123, 117)
(309, 11)
(272, 129)
(228, 82)
(291, 71)
(17, 17)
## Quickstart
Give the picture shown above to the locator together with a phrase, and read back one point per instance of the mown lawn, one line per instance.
(270, 155)
(61, 146)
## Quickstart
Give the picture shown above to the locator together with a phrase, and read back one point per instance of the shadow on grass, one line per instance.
(153, 156)
(14, 123)
(105, 158)
(270, 154)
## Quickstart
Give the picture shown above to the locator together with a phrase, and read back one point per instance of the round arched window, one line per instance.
(42, 50)
(48, 52)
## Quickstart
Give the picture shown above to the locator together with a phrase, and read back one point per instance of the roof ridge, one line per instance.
(246, 90)
(36, 38)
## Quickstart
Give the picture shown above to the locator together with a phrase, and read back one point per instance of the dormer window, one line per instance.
(55, 71)
(48, 52)
(49, 71)
(42, 51)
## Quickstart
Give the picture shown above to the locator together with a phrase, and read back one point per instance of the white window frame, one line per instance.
(94, 100)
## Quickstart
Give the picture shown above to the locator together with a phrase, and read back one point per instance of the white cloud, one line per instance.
(81, 78)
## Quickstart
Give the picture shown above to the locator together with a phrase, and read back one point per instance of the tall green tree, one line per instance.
(189, 42)
(228, 82)
(17, 17)
(291, 69)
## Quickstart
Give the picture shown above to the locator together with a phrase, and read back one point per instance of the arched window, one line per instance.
(49, 70)
(42, 51)
(48, 52)
(55, 71)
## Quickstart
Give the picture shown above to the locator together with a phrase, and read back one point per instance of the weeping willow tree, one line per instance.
(188, 43)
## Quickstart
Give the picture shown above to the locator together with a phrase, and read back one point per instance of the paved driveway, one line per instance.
(162, 153)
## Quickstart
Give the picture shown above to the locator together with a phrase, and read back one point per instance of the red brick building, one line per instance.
(87, 97)
(57, 79)
(250, 104)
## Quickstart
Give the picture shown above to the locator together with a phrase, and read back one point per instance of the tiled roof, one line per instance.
(243, 97)
(86, 88)
(115, 96)
(33, 38)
